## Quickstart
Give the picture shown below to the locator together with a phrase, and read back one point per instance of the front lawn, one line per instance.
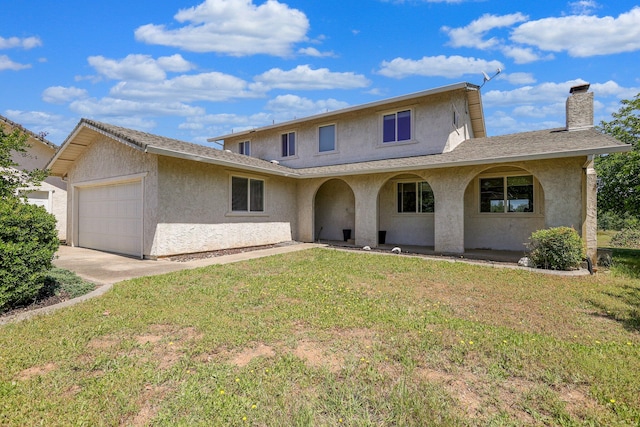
(325, 337)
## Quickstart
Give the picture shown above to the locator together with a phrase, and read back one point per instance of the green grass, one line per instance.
(325, 337)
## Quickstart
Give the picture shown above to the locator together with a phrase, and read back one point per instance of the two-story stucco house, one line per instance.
(52, 193)
(412, 170)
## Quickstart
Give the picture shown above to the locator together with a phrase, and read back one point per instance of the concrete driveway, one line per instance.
(105, 268)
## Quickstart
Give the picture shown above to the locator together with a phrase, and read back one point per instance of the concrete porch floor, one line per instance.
(510, 257)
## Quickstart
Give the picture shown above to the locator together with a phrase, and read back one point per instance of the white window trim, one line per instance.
(395, 195)
(411, 140)
(538, 209)
(335, 141)
(297, 143)
(247, 213)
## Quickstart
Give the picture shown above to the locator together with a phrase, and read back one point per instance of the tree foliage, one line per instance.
(619, 173)
(12, 179)
(28, 236)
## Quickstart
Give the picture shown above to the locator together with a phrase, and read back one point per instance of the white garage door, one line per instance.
(110, 218)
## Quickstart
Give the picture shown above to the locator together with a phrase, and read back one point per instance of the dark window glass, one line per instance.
(389, 128)
(327, 138)
(427, 201)
(239, 192)
(404, 125)
(520, 193)
(415, 197)
(256, 196)
(492, 195)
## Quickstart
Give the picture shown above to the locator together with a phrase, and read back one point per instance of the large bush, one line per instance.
(28, 241)
(559, 248)
(610, 220)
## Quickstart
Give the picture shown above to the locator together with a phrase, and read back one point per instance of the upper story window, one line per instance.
(247, 194)
(415, 197)
(326, 138)
(288, 144)
(506, 194)
(245, 148)
(396, 126)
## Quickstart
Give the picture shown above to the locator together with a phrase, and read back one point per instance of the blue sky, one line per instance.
(192, 70)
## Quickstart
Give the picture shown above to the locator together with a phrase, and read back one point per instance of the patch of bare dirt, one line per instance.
(149, 403)
(244, 357)
(223, 252)
(34, 371)
(317, 356)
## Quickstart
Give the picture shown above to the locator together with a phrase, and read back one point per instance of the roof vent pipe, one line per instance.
(579, 108)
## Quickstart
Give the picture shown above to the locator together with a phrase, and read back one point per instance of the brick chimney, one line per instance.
(580, 108)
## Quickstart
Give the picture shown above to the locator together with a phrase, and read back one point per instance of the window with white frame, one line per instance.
(415, 197)
(247, 194)
(506, 194)
(396, 127)
(245, 148)
(326, 138)
(288, 144)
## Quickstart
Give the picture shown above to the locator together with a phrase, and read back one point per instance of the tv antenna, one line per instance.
(487, 78)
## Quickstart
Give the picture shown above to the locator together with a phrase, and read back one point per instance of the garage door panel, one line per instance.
(110, 218)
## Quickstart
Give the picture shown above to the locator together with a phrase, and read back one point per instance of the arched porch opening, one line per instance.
(406, 212)
(334, 211)
(502, 207)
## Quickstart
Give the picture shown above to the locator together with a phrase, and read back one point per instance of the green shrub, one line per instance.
(559, 248)
(28, 241)
(59, 281)
(627, 238)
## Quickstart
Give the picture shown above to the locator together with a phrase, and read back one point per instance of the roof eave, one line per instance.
(474, 162)
(219, 162)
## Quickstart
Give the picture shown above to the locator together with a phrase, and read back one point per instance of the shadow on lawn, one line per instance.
(625, 262)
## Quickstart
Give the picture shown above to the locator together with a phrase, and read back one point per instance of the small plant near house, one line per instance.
(558, 248)
(64, 283)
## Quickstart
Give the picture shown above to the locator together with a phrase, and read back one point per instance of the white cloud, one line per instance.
(213, 86)
(518, 78)
(312, 51)
(523, 55)
(292, 106)
(16, 42)
(303, 77)
(546, 93)
(122, 107)
(583, 7)
(61, 95)
(613, 89)
(443, 66)
(233, 27)
(472, 35)
(583, 35)
(139, 67)
(7, 64)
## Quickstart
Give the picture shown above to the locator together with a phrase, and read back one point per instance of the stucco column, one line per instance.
(365, 190)
(449, 213)
(306, 193)
(590, 215)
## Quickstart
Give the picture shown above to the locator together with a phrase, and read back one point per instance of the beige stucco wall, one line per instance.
(108, 162)
(195, 215)
(358, 134)
(456, 223)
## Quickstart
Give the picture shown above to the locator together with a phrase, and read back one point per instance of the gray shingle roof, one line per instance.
(34, 135)
(544, 144)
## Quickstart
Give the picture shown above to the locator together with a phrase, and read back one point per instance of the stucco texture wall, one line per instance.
(358, 134)
(195, 214)
(107, 161)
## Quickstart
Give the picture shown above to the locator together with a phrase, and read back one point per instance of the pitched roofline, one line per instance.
(220, 162)
(461, 163)
(442, 89)
(34, 135)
